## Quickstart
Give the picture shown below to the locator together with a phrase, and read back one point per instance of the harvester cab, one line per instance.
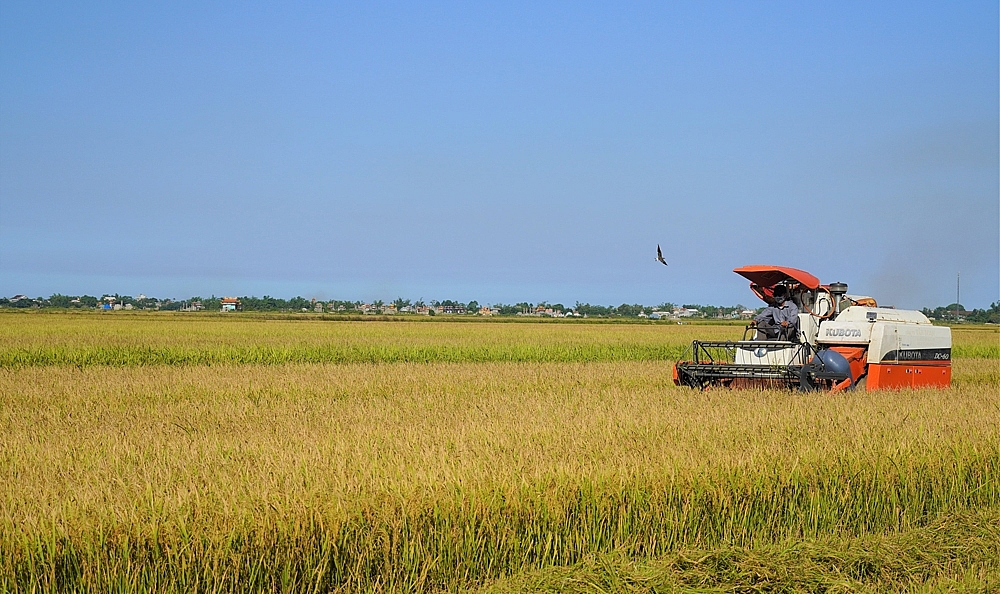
(842, 341)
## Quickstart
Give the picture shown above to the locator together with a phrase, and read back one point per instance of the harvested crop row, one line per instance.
(958, 552)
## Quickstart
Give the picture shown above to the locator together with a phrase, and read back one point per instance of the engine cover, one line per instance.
(909, 343)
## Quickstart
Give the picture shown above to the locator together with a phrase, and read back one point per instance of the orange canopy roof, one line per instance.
(768, 276)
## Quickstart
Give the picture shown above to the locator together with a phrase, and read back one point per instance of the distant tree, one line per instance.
(506, 310)
(986, 316)
(299, 303)
(265, 303)
(626, 310)
(957, 310)
(593, 311)
(58, 300)
(212, 303)
(472, 307)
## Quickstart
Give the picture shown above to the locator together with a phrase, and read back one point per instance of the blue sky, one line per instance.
(499, 152)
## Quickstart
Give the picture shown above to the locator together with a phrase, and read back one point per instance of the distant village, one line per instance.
(400, 306)
(664, 311)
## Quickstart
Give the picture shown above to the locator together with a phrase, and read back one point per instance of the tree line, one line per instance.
(957, 312)
(946, 313)
(298, 303)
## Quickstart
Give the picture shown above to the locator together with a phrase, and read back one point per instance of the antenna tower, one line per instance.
(958, 293)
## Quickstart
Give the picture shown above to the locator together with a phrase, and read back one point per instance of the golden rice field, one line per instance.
(155, 453)
(123, 339)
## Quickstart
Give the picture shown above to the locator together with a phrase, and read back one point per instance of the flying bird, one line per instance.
(659, 256)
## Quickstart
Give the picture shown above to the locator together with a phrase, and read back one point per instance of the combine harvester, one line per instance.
(843, 341)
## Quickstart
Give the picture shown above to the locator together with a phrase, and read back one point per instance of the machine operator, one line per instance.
(779, 321)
